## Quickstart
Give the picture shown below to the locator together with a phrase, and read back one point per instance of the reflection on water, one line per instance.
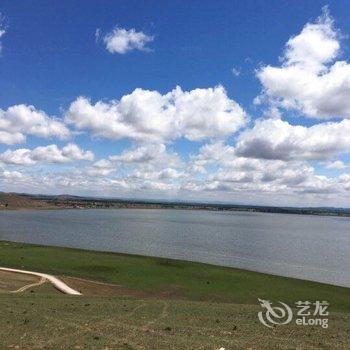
(307, 247)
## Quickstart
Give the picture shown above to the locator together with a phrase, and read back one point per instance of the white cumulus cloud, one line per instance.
(310, 80)
(121, 40)
(277, 139)
(20, 120)
(45, 154)
(145, 154)
(150, 116)
(2, 31)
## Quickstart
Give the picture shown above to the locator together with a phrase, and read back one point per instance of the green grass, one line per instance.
(193, 281)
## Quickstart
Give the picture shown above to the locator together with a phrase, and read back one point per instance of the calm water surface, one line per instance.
(308, 247)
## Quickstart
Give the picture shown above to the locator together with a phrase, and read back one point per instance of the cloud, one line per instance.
(2, 33)
(309, 79)
(236, 71)
(11, 175)
(277, 139)
(2, 30)
(11, 138)
(97, 34)
(121, 40)
(20, 120)
(274, 177)
(287, 179)
(141, 154)
(45, 154)
(268, 181)
(315, 46)
(102, 167)
(147, 157)
(149, 116)
(338, 164)
(236, 169)
(164, 174)
(345, 180)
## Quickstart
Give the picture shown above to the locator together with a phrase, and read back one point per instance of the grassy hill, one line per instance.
(36, 321)
(158, 277)
(157, 304)
(14, 201)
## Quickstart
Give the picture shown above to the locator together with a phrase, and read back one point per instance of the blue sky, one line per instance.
(51, 55)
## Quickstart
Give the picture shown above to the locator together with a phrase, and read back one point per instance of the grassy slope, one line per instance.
(64, 322)
(193, 281)
(13, 201)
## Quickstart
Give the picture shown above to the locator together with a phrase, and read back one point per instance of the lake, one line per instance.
(308, 247)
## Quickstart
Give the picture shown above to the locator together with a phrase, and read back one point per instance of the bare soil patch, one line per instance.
(10, 282)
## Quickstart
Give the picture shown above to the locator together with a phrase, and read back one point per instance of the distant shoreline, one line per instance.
(146, 207)
(12, 201)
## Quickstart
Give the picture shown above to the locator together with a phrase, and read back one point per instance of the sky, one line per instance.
(245, 102)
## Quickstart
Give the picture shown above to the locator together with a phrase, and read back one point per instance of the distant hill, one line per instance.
(66, 201)
(14, 201)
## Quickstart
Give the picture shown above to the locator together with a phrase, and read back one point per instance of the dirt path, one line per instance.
(61, 286)
(36, 284)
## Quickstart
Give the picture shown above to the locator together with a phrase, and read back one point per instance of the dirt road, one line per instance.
(61, 286)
